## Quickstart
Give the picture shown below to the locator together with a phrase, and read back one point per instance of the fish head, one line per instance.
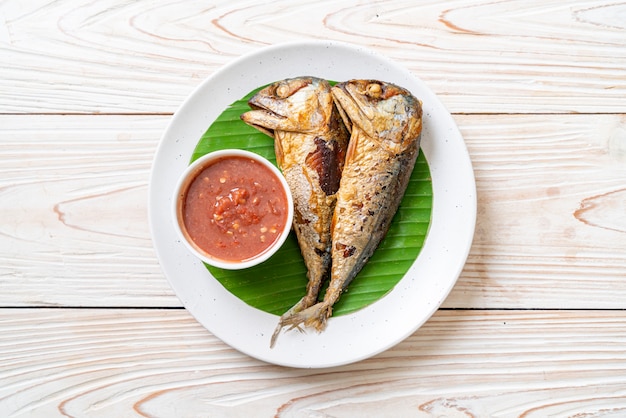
(302, 104)
(383, 111)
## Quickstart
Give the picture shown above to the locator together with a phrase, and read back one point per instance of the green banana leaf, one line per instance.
(277, 284)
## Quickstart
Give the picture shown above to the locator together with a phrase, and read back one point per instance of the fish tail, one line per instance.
(314, 284)
(312, 317)
(287, 318)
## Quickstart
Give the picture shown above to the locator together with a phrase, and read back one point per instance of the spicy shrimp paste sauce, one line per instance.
(235, 209)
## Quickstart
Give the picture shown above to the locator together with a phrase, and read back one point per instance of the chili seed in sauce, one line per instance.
(235, 209)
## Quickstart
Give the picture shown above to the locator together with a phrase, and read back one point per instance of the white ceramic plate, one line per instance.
(347, 338)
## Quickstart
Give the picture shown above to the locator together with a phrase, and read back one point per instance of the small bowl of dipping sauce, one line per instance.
(233, 209)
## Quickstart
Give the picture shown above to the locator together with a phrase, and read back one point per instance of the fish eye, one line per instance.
(282, 91)
(373, 90)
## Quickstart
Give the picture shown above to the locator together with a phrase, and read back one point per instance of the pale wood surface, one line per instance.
(550, 231)
(478, 56)
(111, 363)
(534, 327)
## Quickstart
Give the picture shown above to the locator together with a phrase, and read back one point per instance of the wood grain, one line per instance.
(478, 56)
(161, 363)
(551, 211)
(536, 324)
(75, 231)
(74, 204)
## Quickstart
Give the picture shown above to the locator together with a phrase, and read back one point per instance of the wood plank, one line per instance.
(119, 362)
(551, 228)
(74, 226)
(66, 181)
(478, 56)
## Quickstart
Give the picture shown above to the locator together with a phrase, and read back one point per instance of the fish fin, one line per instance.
(342, 113)
(351, 151)
(278, 151)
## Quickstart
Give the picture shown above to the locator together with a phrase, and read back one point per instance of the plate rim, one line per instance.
(179, 117)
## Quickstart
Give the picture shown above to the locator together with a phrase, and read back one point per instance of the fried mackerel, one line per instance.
(310, 141)
(385, 122)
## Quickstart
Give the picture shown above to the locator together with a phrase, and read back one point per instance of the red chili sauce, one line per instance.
(235, 209)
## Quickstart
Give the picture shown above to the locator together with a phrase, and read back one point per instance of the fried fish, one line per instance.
(310, 142)
(385, 123)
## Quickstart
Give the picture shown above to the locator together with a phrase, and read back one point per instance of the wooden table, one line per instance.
(536, 324)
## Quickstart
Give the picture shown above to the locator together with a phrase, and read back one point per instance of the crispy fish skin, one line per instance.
(310, 142)
(385, 123)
